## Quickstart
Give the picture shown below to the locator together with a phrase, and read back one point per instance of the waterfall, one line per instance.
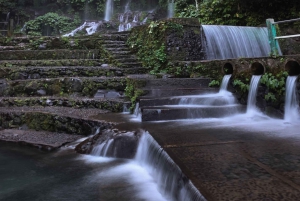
(291, 108)
(226, 42)
(167, 174)
(108, 10)
(171, 9)
(7, 16)
(127, 6)
(103, 148)
(251, 102)
(225, 82)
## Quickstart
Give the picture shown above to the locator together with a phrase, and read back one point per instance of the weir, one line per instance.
(170, 180)
(227, 42)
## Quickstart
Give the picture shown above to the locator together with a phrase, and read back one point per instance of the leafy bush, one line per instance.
(54, 23)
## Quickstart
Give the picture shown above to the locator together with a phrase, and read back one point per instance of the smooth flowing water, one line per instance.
(291, 108)
(172, 183)
(251, 102)
(224, 42)
(109, 9)
(171, 9)
(225, 82)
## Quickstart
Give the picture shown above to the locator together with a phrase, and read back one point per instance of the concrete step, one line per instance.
(37, 72)
(165, 92)
(120, 52)
(48, 54)
(112, 46)
(127, 60)
(111, 104)
(162, 113)
(117, 48)
(71, 86)
(200, 100)
(170, 83)
(61, 62)
(130, 64)
(53, 119)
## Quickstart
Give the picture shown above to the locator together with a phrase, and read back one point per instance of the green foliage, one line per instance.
(214, 83)
(241, 85)
(238, 12)
(275, 84)
(54, 23)
(149, 44)
(132, 91)
(215, 12)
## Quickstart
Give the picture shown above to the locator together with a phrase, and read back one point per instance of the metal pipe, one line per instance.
(284, 21)
(288, 36)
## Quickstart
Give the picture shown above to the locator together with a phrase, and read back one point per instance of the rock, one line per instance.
(121, 144)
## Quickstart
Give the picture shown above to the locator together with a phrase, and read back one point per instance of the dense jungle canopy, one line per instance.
(229, 12)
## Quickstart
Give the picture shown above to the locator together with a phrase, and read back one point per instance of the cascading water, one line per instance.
(224, 83)
(225, 42)
(167, 174)
(251, 102)
(291, 108)
(171, 9)
(109, 9)
(103, 148)
(90, 27)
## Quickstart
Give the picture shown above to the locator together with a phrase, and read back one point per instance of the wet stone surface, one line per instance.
(42, 140)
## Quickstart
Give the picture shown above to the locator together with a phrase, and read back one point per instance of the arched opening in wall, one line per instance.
(292, 67)
(228, 69)
(257, 68)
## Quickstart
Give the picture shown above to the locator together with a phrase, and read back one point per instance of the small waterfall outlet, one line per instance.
(171, 181)
(291, 108)
(224, 84)
(109, 9)
(225, 42)
(251, 102)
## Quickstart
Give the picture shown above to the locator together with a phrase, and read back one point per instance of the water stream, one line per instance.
(109, 9)
(224, 84)
(225, 42)
(251, 102)
(291, 108)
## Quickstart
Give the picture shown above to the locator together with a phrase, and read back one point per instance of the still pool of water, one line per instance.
(28, 174)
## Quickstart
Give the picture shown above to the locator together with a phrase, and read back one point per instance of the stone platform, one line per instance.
(231, 159)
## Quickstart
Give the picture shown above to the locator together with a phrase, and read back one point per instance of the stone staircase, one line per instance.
(59, 85)
(182, 98)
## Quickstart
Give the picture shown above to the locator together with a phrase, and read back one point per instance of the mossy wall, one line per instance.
(162, 41)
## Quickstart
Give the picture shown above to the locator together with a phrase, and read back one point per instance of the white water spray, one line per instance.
(251, 102)
(225, 42)
(171, 9)
(291, 108)
(172, 183)
(224, 84)
(109, 9)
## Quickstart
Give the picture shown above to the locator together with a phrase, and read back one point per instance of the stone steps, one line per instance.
(104, 103)
(75, 86)
(53, 119)
(130, 64)
(48, 54)
(61, 62)
(163, 92)
(163, 113)
(38, 72)
(203, 99)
